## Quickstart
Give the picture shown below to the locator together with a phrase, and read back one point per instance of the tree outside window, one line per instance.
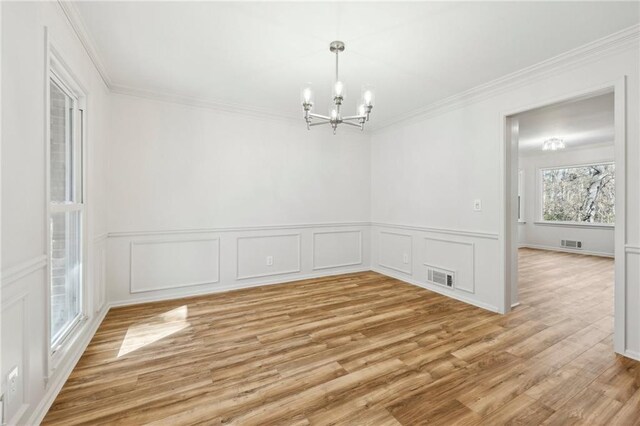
(581, 194)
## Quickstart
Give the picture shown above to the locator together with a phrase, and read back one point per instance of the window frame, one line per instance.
(57, 71)
(540, 197)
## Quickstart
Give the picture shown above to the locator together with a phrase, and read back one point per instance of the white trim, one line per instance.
(438, 289)
(268, 274)
(473, 262)
(121, 234)
(450, 231)
(65, 368)
(339, 265)
(575, 225)
(79, 28)
(23, 269)
(515, 305)
(404, 271)
(631, 249)
(566, 250)
(23, 298)
(132, 289)
(508, 245)
(590, 52)
(632, 354)
(195, 102)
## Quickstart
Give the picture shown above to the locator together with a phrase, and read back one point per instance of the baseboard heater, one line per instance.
(572, 244)
(441, 277)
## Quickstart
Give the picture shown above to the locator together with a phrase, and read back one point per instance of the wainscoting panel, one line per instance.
(334, 249)
(632, 264)
(253, 252)
(99, 272)
(452, 255)
(395, 251)
(167, 264)
(15, 351)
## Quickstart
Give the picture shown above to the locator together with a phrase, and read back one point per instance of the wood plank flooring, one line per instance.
(363, 349)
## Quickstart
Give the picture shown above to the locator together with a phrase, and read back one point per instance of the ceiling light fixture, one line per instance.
(365, 105)
(553, 144)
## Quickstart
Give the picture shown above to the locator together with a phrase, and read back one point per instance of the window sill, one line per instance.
(575, 225)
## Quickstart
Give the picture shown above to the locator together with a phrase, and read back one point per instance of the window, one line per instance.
(580, 194)
(66, 209)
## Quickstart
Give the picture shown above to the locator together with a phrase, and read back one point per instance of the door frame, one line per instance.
(509, 231)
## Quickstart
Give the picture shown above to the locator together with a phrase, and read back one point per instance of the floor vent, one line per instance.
(441, 277)
(571, 244)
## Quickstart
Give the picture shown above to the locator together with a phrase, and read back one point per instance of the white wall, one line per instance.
(23, 196)
(250, 187)
(427, 172)
(596, 240)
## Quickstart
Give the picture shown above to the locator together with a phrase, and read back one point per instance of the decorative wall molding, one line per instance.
(631, 249)
(589, 52)
(593, 51)
(195, 102)
(410, 254)
(65, 368)
(471, 290)
(133, 244)
(239, 276)
(23, 269)
(437, 289)
(122, 234)
(77, 25)
(314, 252)
(21, 298)
(449, 231)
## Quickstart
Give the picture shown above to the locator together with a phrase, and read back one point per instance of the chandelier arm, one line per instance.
(354, 117)
(349, 123)
(319, 123)
(320, 116)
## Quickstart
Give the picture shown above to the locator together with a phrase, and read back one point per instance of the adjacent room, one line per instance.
(324, 213)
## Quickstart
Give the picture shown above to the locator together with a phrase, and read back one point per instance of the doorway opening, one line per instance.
(564, 212)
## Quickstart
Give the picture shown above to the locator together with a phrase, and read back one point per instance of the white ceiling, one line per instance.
(580, 123)
(259, 54)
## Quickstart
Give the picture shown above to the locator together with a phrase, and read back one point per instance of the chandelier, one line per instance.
(553, 144)
(365, 105)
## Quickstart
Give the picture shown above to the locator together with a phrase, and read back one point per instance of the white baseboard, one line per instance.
(239, 286)
(65, 369)
(437, 289)
(515, 305)
(632, 354)
(566, 250)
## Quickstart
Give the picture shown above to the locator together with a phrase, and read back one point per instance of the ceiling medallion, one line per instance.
(553, 144)
(365, 104)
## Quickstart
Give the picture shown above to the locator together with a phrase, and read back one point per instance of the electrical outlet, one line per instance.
(269, 260)
(405, 258)
(12, 381)
(477, 205)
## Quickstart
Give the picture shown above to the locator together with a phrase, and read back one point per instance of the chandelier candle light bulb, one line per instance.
(338, 95)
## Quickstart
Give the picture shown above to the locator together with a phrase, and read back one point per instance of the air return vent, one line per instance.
(441, 277)
(571, 244)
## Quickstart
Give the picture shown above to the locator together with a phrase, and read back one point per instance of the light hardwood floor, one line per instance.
(363, 349)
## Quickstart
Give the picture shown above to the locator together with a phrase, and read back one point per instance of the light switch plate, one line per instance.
(477, 205)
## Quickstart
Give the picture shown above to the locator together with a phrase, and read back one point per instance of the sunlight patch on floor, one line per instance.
(154, 329)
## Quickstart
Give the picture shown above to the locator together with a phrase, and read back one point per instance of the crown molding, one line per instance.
(591, 51)
(79, 28)
(594, 50)
(157, 95)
